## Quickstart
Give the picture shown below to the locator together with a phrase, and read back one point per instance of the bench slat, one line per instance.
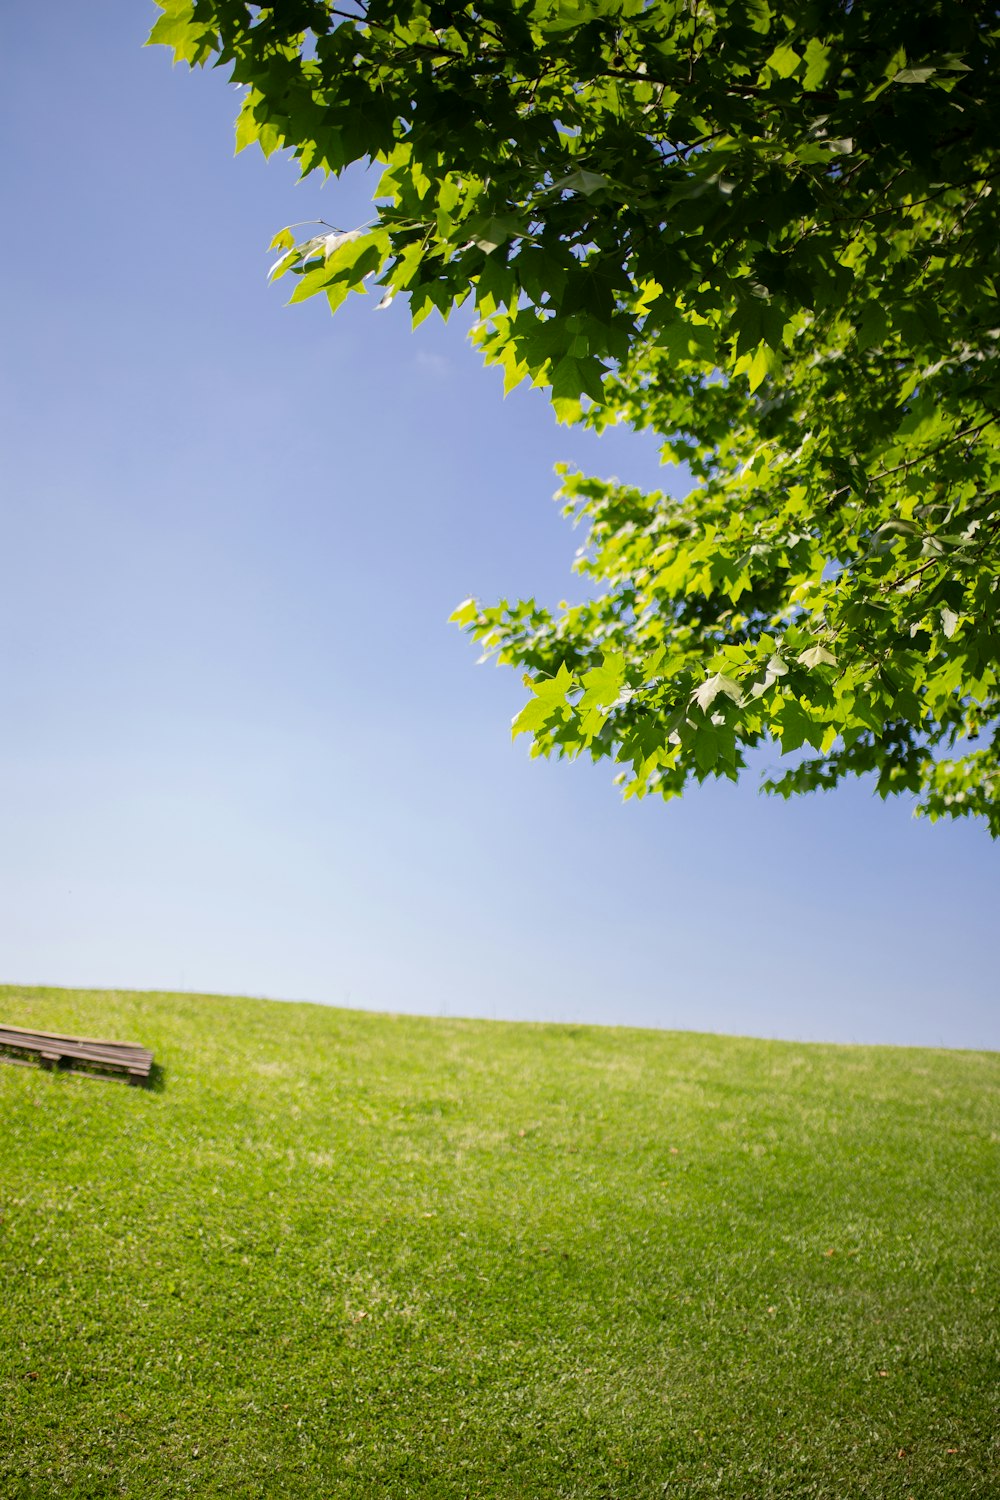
(57, 1036)
(92, 1054)
(105, 1054)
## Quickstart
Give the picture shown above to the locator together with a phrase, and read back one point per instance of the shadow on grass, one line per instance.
(155, 1083)
(157, 1080)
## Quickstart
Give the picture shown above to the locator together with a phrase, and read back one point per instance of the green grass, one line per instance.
(347, 1255)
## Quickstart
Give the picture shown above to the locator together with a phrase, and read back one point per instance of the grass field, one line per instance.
(336, 1254)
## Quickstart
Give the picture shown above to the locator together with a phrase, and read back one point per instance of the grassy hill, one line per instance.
(339, 1255)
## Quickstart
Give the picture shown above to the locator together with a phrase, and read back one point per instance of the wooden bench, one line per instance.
(119, 1059)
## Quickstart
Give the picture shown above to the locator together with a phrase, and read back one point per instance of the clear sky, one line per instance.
(243, 751)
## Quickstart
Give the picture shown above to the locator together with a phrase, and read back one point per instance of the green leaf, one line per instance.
(784, 60)
(707, 692)
(706, 748)
(795, 727)
(464, 613)
(495, 232)
(548, 703)
(913, 75)
(817, 656)
(581, 181)
(759, 366)
(602, 684)
(817, 61)
(872, 326)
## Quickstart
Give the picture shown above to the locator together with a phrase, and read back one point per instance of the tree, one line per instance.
(767, 232)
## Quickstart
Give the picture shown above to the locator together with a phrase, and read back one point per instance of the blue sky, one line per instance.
(243, 750)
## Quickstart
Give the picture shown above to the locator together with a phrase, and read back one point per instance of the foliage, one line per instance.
(767, 233)
(345, 1255)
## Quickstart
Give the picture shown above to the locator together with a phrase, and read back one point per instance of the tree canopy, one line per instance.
(768, 233)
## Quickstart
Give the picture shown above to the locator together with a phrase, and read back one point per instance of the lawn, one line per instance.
(335, 1254)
